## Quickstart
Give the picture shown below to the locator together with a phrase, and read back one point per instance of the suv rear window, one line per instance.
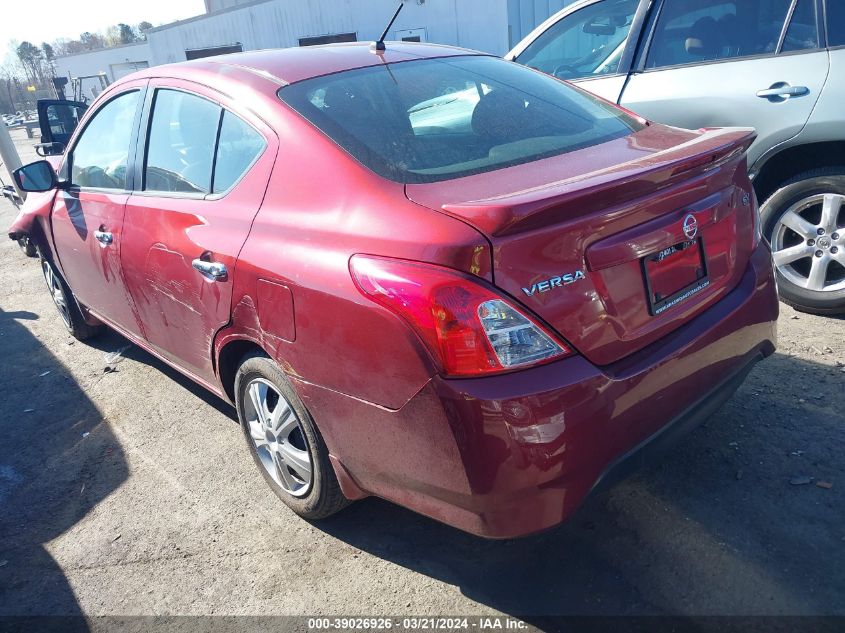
(437, 119)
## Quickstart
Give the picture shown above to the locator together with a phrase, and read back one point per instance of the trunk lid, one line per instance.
(597, 242)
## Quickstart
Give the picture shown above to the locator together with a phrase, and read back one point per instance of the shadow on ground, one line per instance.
(716, 528)
(58, 459)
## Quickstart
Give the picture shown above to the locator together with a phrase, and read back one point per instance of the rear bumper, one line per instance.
(509, 455)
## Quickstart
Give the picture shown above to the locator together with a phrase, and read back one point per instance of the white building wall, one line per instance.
(477, 24)
(115, 62)
(493, 26)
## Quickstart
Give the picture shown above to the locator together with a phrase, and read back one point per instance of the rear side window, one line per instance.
(694, 31)
(436, 119)
(585, 43)
(238, 148)
(836, 22)
(100, 156)
(803, 31)
(180, 151)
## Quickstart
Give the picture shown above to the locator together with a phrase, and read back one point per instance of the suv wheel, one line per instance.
(284, 441)
(66, 304)
(804, 222)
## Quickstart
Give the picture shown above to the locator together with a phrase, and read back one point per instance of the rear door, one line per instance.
(591, 44)
(87, 217)
(203, 172)
(711, 63)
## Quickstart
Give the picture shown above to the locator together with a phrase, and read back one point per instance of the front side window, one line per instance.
(693, 31)
(101, 155)
(586, 43)
(436, 119)
(182, 136)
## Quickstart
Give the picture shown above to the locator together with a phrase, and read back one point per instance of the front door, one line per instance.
(203, 180)
(87, 217)
(711, 63)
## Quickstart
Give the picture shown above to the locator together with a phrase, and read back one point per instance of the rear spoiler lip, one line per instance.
(509, 213)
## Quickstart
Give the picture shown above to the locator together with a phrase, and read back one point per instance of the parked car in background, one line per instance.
(424, 274)
(776, 65)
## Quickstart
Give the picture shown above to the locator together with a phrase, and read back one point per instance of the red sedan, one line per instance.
(421, 273)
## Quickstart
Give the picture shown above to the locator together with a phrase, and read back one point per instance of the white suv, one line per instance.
(775, 65)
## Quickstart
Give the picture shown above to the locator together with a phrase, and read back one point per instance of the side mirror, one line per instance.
(36, 177)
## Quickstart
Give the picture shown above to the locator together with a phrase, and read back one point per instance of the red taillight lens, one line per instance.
(469, 328)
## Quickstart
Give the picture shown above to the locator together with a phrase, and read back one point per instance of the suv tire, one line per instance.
(792, 220)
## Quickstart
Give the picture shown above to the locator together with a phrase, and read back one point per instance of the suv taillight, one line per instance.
(469, 328)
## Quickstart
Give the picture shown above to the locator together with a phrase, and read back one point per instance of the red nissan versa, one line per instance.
(424, 273)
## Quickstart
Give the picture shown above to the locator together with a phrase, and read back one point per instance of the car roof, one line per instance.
(289, 65)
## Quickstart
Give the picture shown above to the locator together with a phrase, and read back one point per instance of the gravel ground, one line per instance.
(131, 492)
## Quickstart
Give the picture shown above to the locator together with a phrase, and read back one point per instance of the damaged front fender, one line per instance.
(35, 209)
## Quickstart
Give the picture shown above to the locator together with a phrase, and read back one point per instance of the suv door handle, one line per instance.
(215, 271)
(104, 237)
(783, 91)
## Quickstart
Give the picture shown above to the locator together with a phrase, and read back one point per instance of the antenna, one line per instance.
(379, 45)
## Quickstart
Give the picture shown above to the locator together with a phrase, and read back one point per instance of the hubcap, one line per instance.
(57, 292)
(278, 438)
(808, 245)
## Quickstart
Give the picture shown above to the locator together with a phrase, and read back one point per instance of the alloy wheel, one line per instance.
(278, 438)
(808, 243)
(57, 291)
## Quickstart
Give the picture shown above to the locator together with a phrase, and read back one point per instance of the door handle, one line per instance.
(215, 271)
(783, 91)
(104, 237)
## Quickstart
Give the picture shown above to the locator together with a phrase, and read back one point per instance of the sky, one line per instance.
(47, 20)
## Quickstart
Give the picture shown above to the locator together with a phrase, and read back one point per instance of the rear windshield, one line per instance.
(436, 119)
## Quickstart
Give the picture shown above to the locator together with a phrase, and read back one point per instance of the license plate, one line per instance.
(675, 274)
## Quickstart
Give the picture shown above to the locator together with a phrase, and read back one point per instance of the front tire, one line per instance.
(284, 441)
(65, 303)
(27, 247)
(804, 222)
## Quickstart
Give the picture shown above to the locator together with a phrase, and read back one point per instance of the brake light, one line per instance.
(469, 328)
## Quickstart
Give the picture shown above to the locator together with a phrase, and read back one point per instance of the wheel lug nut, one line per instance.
(819, 253)
(811, 242)
(834, 250)
(835, 236)
(820, 231)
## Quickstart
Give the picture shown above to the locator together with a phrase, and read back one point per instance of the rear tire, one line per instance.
(66, 304)
(804, 221)
(284, 441)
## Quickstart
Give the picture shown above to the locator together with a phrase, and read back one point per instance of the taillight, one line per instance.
(468, 327)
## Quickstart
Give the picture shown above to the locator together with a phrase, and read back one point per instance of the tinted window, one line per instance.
(237, 149)
(63, 119)
(803, 32)
(180, 150)
(690, 31)
(436, 119)
(585, 43)
(102, 152)
(836, 22)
